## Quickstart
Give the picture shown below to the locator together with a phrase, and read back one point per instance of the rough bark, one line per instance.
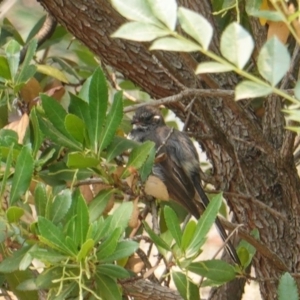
(252, 156)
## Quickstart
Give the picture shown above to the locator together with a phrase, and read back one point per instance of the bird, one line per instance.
(179, 166)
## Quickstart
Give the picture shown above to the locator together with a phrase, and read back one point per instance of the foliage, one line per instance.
(68, 180)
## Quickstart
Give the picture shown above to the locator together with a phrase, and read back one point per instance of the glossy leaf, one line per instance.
(204, 224)
(113, 121)
(61, 205)
(23, 174)
(11, 263)
(186, 288)
(146, 168)
(99, 203)
(165, 11)
(175, 44)
(141, 32)
(188, 234)
(273, 61)
(78, 160)
(173, 224)
(121, 216)
(49, 130)
(76, 127)
(118, 146)
(52, 72)
(40, 198)
(113, 271)
(12, 51)
(249, 89)
(86, 247)
(138, 157)
(108, 247)
(37, 133)
(52, 236)
(142, 11)
(7, 170)
(27, 70)
(196, 26)
(81, 221)
(98, 98)
(217, 270)
(212, 67)
(287, 288)
(14, 214)
(4, 68)
(236, 45)
(123, 249)
(107, 287)
(157, 240)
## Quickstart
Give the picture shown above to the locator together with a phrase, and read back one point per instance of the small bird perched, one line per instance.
(179, 169)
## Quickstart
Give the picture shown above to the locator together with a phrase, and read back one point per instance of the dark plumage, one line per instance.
(179, 169)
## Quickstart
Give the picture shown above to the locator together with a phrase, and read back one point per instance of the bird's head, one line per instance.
(147, 117)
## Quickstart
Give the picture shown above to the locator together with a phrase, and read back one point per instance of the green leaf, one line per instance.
(48, 256)
(204, 224)
(52, 72)
(142, 11)
(212, 67)
(61, 205)
(11, 263)
(113, 271)
(275, 16)
(165, 11)
(158, 241)
(14, 214)
(7, 171)
(180, 281)
(297, 90)
(37, 133)
(52, 236)
(175, 44)
(4, 68)
(27, 70)
(12, 51)
(196, 26)
(248, 89)
(118, 146)
(113, 121)
(76, 127)
(244, 256)
(108, 247)
(246, 251)
(56, 115)
(87, 246)
(99, 203)
(98, 98)
(23, 174)
(40, 199)
(79, 161)
(141, 32)
(56, 136)
(287, 288)
(236, 45)
(173, 224)
(123, 249)
(273, 61)
(137, 157)
(121, 216)
(217, 270)
(17, 277)
(81, 221)
(107, 287)
(188, 234)
(146, 168)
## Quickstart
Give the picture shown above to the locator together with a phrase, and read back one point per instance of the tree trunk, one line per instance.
(252, 156)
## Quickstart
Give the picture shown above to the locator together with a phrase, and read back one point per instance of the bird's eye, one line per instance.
(148, 118)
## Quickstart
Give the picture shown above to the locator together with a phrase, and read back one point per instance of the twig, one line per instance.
(165, 140)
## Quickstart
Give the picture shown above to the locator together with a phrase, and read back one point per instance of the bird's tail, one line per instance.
(229, 247)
